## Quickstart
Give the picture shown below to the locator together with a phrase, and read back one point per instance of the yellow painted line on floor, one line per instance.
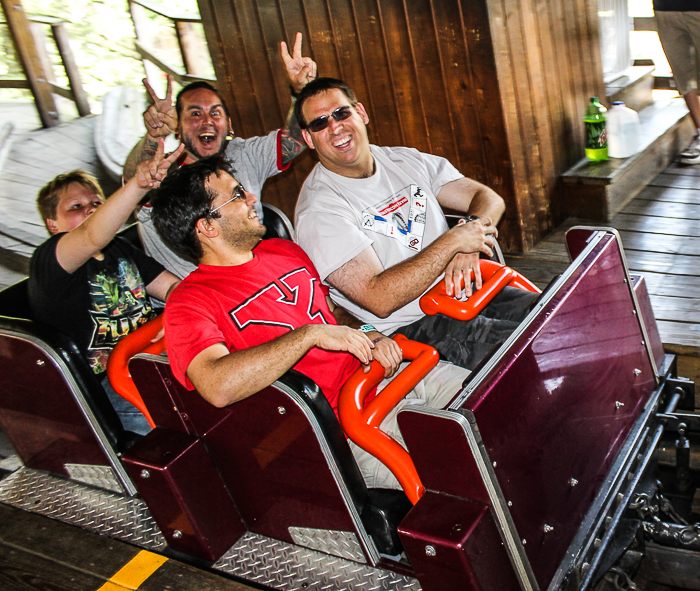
(134, 572)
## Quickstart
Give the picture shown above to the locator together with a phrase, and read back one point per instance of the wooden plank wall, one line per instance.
(549, 65)
(496, 86)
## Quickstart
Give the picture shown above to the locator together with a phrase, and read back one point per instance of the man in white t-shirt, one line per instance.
(371, 220)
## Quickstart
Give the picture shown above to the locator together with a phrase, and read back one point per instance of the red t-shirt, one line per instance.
(251, 304)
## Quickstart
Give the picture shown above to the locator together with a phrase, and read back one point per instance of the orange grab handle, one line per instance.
(361, 422)
(118, 373)
(495, 277)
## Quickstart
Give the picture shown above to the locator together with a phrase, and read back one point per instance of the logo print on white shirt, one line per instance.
(401, 216)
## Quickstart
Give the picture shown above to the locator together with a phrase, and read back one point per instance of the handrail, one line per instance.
(495, 277)
(361, 421)
(139, 341)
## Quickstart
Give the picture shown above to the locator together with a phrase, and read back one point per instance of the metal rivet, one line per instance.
(457, 527)
(597, 542)
(494, 464)
(619, 497)
(510, 503)
(619, 405)
(524, 541)
(177, 534)
(430, 551)
(634, 312)
(637, 371)
(584, 567)
(281, 410)
(573, 482)
(40, 362)
(185, 416)
(547, 528)
(145, 474)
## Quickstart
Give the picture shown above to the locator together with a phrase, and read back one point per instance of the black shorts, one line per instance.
(466, 343)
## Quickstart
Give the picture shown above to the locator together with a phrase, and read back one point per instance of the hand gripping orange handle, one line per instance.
(495, 277)
(138, 341)
(361, 422)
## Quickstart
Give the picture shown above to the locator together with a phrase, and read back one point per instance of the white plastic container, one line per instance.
(623, 131)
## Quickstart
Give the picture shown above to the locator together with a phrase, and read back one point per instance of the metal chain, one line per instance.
(647, 506)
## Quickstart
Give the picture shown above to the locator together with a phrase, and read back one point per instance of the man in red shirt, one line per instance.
(254, 309)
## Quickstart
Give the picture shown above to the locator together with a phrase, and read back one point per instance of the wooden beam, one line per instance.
(645, 23)
(177, 76)
(77, 92)
(18, 23)
(7, 83)
(185, 17)
(190, 49)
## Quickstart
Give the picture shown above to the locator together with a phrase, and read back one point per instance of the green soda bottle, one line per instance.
(596, 133)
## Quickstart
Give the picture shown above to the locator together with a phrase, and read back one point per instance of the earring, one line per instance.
(229, 135)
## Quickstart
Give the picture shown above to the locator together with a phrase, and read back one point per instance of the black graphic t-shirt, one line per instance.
(100, 302)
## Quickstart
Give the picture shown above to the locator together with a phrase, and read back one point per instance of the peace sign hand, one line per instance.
(151, 172)
(160, 118)
(300, 70)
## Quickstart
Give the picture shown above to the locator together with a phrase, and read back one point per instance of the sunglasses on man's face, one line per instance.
(320, 123)
(238, 193)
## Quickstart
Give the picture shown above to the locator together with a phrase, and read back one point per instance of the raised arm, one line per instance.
(224, 377)
(300, 71)
(471, 197)
(85, 241)
(160, 120)
(383, 291)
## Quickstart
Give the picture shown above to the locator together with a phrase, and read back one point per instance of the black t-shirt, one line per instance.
(677, 5)
(100, 302)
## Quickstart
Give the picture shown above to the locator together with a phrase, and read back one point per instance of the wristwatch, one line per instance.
(367, 328)
(471, 218)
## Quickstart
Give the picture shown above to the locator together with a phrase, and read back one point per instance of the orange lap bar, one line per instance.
(495, 277)
(361, 422)
(118, 373)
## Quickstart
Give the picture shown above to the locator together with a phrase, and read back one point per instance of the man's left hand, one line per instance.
(387, 352)
(300, 70)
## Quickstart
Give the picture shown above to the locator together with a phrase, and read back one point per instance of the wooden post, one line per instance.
(80, 98)
(192, 52)
(28, 55)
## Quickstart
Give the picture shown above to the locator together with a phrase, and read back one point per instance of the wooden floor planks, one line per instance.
(38, 554)
(660, 231)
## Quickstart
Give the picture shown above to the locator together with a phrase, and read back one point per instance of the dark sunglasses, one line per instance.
(238, 193)
(320, 123)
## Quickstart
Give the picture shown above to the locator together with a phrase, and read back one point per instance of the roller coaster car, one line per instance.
(529, 478)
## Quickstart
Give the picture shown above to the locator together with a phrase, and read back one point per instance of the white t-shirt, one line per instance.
(395, 211)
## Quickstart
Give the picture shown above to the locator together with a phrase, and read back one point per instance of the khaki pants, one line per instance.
(679, 33)
(434, 391)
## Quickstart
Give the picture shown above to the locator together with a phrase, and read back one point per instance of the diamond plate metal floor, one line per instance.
(262, 560)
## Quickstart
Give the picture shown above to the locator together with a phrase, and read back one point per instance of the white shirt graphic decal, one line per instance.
(401, 216)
